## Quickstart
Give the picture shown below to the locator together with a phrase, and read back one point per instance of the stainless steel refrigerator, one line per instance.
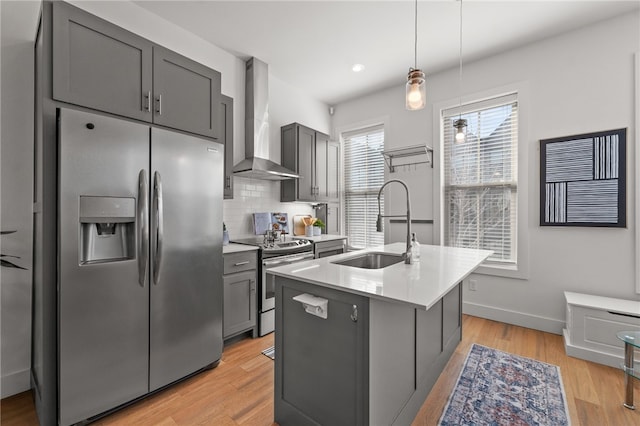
(140, 260)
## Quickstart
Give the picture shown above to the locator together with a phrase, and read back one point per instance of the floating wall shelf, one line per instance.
(421, 154)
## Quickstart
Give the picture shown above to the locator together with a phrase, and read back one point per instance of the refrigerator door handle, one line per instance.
(143, 226)
(157, 207)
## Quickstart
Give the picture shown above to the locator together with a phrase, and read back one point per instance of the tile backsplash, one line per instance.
(255, 196)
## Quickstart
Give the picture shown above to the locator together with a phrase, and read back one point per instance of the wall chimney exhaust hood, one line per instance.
(256, 127)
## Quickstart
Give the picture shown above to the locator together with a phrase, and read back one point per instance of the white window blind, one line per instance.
(480, 178)
(363, 177)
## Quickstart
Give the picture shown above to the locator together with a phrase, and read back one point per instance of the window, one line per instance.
(363, 177)
(481, 178)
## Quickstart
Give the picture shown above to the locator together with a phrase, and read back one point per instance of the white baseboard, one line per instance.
(512, 317)
(15, 383)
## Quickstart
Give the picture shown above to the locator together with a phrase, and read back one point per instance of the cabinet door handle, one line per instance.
(253, 285)
(354, 313)
(159, 105)
(228, 182)
(147, 102)
(246, 262)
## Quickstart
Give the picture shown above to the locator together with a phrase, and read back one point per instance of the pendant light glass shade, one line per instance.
(416, 90)
(460, 124)
(461, 129)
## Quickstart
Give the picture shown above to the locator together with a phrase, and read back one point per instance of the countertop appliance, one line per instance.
(274, 251)
(140, 261)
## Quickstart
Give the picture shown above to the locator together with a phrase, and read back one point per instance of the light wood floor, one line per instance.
(240, 390)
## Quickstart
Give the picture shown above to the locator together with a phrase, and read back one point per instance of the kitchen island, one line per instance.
(361, 346)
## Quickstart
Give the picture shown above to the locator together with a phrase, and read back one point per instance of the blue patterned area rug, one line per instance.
(498, 388)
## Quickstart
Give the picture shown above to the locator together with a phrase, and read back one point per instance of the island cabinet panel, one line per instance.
(321, 364)
(377, 370)
(451, 317)
(392, 360)
(99, 65)
(428, 340)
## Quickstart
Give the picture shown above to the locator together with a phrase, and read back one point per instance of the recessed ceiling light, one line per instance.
(357, 67)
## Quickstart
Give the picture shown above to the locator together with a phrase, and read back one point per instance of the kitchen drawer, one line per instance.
(238, 262)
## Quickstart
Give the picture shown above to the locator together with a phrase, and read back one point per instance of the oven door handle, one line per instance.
(272, 262)
(297, 259)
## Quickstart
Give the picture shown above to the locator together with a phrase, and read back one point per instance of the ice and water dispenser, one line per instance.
(107, 229)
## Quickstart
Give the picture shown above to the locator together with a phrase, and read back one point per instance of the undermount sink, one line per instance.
(371, 260)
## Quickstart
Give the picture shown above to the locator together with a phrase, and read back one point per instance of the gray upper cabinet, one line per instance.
(333, 170)
(186, 93)
(311, 155)
(101, 66)
(305, 148)
(226, 137)
(333, 219)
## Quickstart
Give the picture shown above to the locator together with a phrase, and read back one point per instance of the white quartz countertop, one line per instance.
(236, 248)
(321, 238)
(421, 284)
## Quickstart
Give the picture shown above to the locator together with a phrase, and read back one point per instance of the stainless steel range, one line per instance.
(274, 251)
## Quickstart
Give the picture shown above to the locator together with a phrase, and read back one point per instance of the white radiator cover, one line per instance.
(592, 324)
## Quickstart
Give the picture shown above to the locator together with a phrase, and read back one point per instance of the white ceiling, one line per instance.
(313, 44)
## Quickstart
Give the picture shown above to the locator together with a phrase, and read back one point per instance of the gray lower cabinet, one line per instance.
(226, 137)
(240, 294)
(329, 248)
(101, 66)
(369, 362)
(310, 154)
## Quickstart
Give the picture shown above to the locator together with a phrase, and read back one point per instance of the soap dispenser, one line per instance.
(415, 247)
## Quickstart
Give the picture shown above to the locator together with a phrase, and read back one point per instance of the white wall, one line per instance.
(18, 28)
(578, 82)
(18, 34)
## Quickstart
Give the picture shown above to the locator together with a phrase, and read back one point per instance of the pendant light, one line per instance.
(460, 124)
(416, 96)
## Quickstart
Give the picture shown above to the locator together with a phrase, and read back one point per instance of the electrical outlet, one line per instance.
(473, 285)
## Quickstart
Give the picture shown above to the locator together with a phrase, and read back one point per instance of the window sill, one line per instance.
(507, 271)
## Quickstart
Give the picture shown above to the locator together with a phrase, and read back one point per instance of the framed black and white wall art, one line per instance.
(583, 180)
